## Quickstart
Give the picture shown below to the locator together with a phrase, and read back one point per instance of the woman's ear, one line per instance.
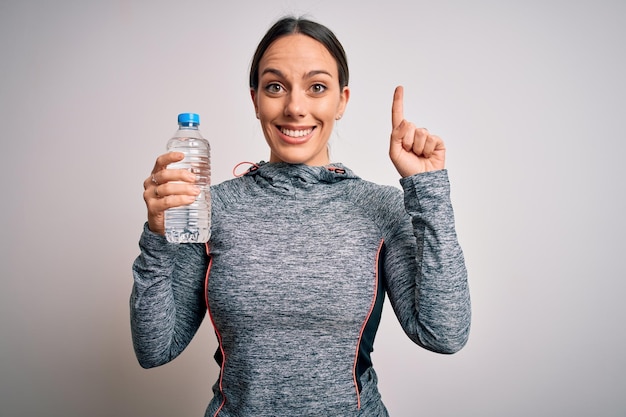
(343, 102)
(254, 102)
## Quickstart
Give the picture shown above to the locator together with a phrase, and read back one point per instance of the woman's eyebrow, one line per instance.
(309, 74)
(313, 73)
(272, 71)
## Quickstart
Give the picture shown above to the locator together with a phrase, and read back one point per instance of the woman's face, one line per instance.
(298, 99)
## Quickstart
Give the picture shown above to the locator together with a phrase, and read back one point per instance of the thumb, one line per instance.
(397, 107)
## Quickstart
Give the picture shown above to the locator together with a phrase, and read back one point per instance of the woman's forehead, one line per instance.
(298, 50)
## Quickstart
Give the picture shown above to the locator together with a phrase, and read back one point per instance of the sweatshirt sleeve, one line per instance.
(424, 267)
(167, 299)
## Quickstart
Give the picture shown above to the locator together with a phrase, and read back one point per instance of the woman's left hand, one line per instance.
(413, 150)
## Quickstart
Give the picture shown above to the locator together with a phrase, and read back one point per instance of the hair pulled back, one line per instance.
(292, 25)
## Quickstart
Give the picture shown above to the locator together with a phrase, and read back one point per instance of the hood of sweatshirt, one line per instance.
(290, 177)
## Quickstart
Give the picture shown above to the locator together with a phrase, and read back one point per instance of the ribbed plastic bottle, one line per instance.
(191, 223)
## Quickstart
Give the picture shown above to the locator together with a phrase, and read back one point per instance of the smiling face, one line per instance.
(298, 99)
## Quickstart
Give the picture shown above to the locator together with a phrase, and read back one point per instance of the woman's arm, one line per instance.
(167, 300)
(424, 267)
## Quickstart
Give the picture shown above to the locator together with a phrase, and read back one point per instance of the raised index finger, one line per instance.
(397, 107)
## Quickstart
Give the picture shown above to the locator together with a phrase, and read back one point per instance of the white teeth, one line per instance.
(296, 133)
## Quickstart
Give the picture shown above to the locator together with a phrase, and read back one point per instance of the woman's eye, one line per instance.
(273, 88)
(318, 88)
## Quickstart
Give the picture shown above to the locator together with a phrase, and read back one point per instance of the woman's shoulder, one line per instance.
(229, 191)
(382, 203)
(373, 192)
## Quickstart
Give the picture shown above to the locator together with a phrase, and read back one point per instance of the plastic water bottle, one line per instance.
(191, 223)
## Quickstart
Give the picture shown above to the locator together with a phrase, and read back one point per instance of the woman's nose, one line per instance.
(295, 105)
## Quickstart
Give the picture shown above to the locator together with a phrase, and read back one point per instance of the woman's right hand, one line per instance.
(167, 188)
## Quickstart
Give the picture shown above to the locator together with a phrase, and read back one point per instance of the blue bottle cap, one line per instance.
(187, 118)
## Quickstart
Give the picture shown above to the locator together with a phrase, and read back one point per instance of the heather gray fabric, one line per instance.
(294, 278)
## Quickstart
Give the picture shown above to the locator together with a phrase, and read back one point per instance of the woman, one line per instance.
(302, 251)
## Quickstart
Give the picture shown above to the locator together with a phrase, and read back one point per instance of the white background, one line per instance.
(529, 97)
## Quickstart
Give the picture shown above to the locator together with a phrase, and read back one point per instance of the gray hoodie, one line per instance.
(294, 278)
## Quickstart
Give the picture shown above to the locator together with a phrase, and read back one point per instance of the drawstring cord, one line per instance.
(253, 167)
(336, 170)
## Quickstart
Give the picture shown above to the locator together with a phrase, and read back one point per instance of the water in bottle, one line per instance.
(191, 223)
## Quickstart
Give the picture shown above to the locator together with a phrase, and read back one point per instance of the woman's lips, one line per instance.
(295, 136)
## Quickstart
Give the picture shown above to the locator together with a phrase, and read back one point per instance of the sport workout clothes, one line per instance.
(294, 277)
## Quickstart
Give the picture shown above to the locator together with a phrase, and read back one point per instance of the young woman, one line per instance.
(303, 251)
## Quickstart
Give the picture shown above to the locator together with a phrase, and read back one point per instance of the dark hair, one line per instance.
(293, 25)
